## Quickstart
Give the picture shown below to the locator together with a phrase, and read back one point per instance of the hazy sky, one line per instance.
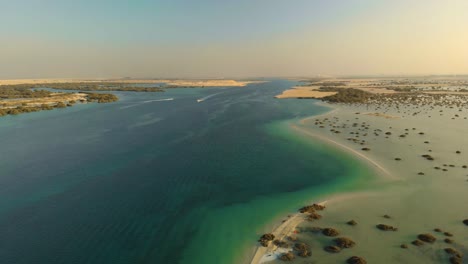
(218, 38)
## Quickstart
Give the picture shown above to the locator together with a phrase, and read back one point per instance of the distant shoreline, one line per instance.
(21, 96)
(168, 82)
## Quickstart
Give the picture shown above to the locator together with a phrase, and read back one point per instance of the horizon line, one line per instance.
(323, 76)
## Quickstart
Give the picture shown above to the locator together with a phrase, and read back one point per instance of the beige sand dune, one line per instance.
(304, 92)
(181, 83)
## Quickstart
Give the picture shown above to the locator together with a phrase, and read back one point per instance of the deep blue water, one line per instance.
(144, 181)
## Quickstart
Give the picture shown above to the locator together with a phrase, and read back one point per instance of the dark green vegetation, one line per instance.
(331, 232)
(356, 260)
(21, 91)
(287, 256)
(266, 238)
(427, 238)
(344, 242)
(91, 86)
(102, 98)
(385, 227)
(338, 245)
(22, 109)
(11, 95)
(346, 95)
(302, 250)
(406, 92)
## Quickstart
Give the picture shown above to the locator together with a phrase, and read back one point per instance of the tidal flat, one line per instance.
(414, 211)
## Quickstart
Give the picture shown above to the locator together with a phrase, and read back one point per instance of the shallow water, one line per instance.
(161, 181)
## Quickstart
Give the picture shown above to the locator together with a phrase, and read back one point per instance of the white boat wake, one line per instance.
(206, 97)
(145, 102)
(158, 100)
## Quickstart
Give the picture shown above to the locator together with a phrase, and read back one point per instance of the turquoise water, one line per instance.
(145, 181)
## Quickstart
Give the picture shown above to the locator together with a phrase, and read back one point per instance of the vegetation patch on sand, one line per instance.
(24, 98)
(380, 90)
(96, 86)
(381, 115)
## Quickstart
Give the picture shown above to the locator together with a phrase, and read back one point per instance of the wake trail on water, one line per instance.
(145, 102)
(207, 97)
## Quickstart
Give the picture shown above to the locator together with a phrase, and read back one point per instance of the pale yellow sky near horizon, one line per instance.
(409, 38)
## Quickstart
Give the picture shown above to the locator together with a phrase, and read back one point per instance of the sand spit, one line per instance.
(272, 252)
(304, 92)
(288, 231)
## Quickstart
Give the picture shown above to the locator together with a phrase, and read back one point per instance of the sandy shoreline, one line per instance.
(304, 92)
(347, 149)
(408, 177)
